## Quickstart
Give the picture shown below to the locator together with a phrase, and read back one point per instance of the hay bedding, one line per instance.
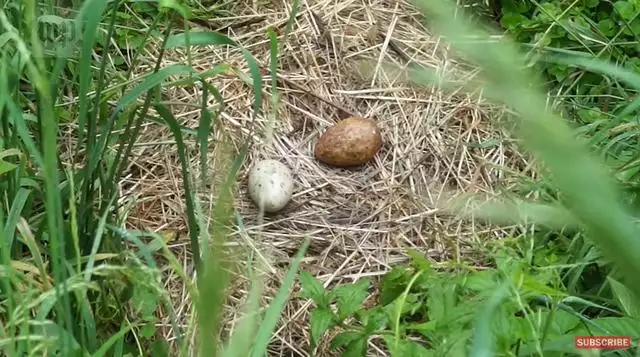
(360, 220)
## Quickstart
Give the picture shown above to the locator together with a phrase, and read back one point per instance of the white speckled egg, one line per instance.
(271, 183)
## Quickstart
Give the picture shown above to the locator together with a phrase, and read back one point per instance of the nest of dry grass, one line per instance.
(360, 221)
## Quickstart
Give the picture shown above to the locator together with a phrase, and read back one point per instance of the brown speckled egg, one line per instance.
(351, 142)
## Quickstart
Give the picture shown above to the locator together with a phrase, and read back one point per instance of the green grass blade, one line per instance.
(215, 276)
(17, 206)
(189, 198)
(295, 8)
(111, 341)
(133, 126)
(5, 281)
(238, 346)
(24, 134)
(273, 59)
(36, 74)
(482, 343)
(208, 38)
(256, 78)
(400, 304)
(632, 78)
(97, 242)
(204, 129)
(88, 19)
(631, 108)
(151, 81)
(264, 334)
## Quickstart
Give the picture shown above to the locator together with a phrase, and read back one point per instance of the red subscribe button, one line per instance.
(603, 342)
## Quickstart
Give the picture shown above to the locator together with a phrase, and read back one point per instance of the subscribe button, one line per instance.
(603, 342)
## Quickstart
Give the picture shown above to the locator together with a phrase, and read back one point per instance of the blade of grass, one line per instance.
(204, 128)
(97, 240)
(238, 346)
(295, 7)
(88, 19)
(632, 78)
(17, 206)
(209, 38)
(36, 71)
(112, 341)
(5, 281)
(398, 313)
(215, 277)
(482, 343)
(191, 219)
(268, 324)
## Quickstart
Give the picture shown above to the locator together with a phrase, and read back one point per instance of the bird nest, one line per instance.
(360, 221)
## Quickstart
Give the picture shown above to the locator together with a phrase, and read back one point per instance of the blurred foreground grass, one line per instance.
(587, 188)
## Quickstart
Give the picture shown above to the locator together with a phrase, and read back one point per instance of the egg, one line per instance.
(270, 185)
(351, 142)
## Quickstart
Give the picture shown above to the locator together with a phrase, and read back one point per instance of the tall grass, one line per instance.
(61, 234)
(588, 192)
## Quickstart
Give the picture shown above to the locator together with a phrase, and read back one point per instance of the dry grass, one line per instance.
(361, 220)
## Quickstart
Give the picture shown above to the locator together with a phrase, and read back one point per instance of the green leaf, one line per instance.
(541, 39)
(393, 284)
(483, 341)
(420, 261)
(607, 27)
(321, 320)
(374, 319)
(11, 221)
(312, 289)
(531, 284)
(624, 9)
(484, 280)
(635, 28)
(441, 301)
(626, 298)
(408, 304)
(590, 115)
(513, 21)
(561, 344)
(148, 330)
(619, 326)
(408, 348)
(503, 325)
(344, 338)
(456, 344)
(350, 297)
(357, 348)
(87, 19)
(192, 222)
(561, 321)
(175, 5)
(160, 348)
(6, 167)
(591, 3)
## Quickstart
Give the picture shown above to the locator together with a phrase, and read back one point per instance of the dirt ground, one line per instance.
(360, 221)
